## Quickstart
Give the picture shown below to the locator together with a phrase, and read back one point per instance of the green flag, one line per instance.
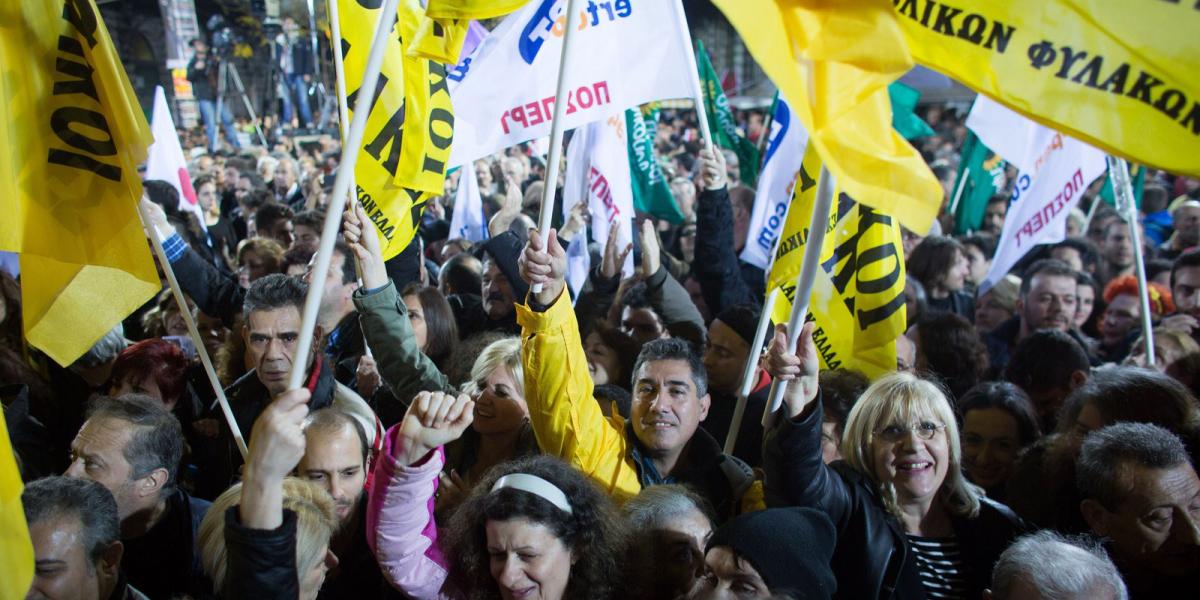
(651, 193)
(904, 116)
(978, 174)
(720, 119)
(1137, 177)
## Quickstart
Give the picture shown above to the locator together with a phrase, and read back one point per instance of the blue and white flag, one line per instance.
(624, 54)
(785, 150)
(468, 222)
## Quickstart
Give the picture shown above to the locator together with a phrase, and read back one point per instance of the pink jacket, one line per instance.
(401, 530)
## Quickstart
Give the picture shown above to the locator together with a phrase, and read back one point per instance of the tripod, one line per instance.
(226, 71)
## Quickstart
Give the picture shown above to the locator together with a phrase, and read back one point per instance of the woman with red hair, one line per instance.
(1121, 324)
(154, 367)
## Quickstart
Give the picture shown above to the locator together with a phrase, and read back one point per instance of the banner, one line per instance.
(785, 150)
(405, 149)
(71, 140)
(1118, 75)
(468, 221)
(626, 55)
(857, 298)
(598, 173)
(980, 176)
(16, 549)
(1061, 171)
(471, 9)
(720, 119)
(166, 161)
(651, 193)
(833, 61)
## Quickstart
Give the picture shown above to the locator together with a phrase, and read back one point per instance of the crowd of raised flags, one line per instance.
(1058, 90)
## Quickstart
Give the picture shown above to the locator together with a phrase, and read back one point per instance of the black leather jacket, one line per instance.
(872, 558)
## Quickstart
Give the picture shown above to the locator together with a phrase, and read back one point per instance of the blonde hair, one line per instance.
(505, 353)
(316, 520)
(900, 398)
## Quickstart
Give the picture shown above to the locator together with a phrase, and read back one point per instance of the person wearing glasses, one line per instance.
(909, 523)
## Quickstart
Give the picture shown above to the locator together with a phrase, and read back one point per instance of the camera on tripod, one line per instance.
(222, 37)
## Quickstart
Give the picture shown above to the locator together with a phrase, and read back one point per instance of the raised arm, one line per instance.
(666, 295)
(716, 264)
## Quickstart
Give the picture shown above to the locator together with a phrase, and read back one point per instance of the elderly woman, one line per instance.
(909, 524)
(532, 528)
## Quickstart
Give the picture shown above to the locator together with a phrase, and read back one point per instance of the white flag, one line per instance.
(785, 150)
(165, 160)
(468, 222)
(1059, 171)
(598, 173)
(579, 262)
(626, 53)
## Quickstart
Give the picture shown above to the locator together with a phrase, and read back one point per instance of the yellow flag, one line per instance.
(16, 551)
(477, 9)
(439, 39)
(1121, 76)
(857, 299)
(833, 62)
(402, 162)
(71, 138)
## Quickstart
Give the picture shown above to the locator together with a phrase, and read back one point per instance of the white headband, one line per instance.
(537, 486)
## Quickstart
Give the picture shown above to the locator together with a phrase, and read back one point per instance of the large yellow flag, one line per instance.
(16, 551)
(857, 298)
(403, 159)
(71, 138)
(1121, 76)
(833, 62)
(473, 9)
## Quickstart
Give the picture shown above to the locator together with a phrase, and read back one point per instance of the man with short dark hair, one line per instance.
(994, 214)
(77, 549)
(1117, 250)
(1142, 495)
(1079, 253)
(1048, 365)
(1048, 566)
(1185, 290)
(1047, 301)
(461, 274)
(307, 228)
(730, 336)
(132, 446)
(274, 220)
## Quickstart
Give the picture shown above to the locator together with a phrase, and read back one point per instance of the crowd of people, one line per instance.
(468, 427)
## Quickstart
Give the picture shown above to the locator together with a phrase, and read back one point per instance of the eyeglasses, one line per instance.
(925, 430)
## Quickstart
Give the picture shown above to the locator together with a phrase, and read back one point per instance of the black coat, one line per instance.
(260, 563)
(718, 477)
(872, 558)
(165, 562)
(724, 280)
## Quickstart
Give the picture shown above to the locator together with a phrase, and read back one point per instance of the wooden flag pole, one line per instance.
(341, 188)
(760, 334)
(804, 283)
(1118, 171)
(556, 126)
(193, 331)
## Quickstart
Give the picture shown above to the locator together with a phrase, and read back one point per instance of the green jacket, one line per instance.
(384, 321)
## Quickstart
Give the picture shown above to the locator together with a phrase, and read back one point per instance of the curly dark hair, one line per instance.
(594, 532)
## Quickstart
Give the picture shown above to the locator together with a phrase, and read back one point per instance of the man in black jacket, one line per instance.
(730, 336)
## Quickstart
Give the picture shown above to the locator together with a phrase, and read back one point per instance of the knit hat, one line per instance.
(743, 320)
(789, 547)
(505, 249)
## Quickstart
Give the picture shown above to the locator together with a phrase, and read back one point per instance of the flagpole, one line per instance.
(1118, 171)
(763, 137)
(193, 331)
(760, 334)
(804, 283)
(697, 89)
(556, 127)
(958, 190)
(341, 188)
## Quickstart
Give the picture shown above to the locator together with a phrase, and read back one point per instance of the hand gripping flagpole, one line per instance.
(341, 187)
(804, 283)
(556, 126)
(193, 331)
(1118, 171)
(760, 334)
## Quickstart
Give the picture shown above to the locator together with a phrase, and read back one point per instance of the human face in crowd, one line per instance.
(1187, 226)
(603, 362)
(990, 443)
(1049, 304)
(989, 313)
(527, 560)
(499, 301)
(677, 553)
(336, 299)
(62, 568)
(243, 189)
(334, 461)
(1086, 295)
(1186, 292)
(483, 175)
(725, 358)
(687, 241)
(98, 454)
(207, 197)
(959, 272)
(306, 236)
(416, 318)
(993, 217)
(915, 466)
(1120, 316)
(1166, 352)
(1156, 527)
(499, 405)
(977, 264)
(643, 324)
(666, 406)
(906, 354)
(285, 176)
(728, 577)
(271, 337)
(831, 442)
(1118, 248)
(1068, 255)
(283, 232)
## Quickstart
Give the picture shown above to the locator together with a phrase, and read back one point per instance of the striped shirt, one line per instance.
(940, 564)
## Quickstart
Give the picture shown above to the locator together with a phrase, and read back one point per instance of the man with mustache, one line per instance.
(1047, 301)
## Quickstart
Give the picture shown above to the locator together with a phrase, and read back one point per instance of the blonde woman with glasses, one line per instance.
(909, 523)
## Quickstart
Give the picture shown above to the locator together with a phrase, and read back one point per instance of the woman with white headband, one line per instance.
(532, 528)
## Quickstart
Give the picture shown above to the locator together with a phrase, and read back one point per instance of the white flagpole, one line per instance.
(193, 331)
(804, 283)
(1118, 171)
(958, 191)
(556, 127)
(760, 334)
(341, 187)
(697, 89)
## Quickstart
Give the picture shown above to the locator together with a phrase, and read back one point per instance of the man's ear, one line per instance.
(110, 560)
(705, 403)
(1078, 378)
(153, 482)
(1095, 515)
